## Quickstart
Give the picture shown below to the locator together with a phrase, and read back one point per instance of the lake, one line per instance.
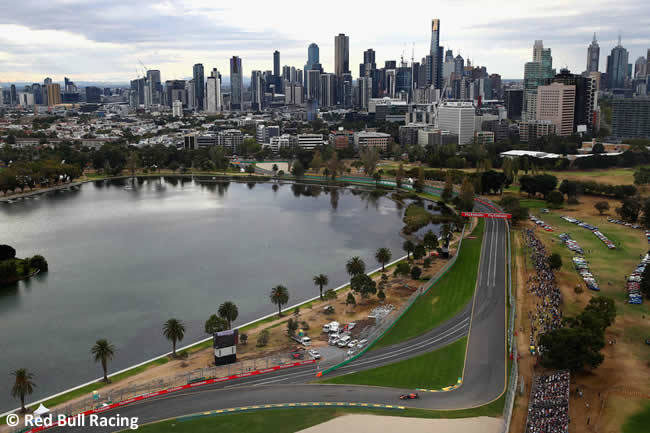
(123, 260)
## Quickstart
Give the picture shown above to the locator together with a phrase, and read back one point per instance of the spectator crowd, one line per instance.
(548, 408)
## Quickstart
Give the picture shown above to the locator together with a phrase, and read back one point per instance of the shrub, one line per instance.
(263, 338)
(38, 262)
(416, 272)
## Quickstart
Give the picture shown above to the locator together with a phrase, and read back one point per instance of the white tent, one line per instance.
(42, 410)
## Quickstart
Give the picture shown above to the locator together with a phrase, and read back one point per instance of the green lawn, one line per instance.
(639, 422)
(445, 299)
(433, 370)
(533, 204)
(292, 420)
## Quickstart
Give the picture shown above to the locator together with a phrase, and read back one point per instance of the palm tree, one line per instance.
(229, 311)
(279, 296)
(409, 247)
(174, 331)
(22, 386)
(355, 266)
(321, 280)
(383, 256)
(103, 351)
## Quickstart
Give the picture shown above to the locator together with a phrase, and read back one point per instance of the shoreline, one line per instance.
(340, 184)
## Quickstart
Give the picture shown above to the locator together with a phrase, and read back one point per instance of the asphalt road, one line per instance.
(484, 377)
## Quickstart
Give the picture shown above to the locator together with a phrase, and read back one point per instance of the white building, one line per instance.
(309, 141)
(276, 143)
(213, 99)
(177, 108)
(458, 118)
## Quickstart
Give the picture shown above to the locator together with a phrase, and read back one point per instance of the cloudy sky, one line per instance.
(105, 40)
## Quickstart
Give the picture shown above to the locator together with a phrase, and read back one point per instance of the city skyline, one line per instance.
(111, 49)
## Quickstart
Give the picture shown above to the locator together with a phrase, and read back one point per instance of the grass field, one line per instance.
(445, 299)
(292, 420)
(639, 422)
(433, 370)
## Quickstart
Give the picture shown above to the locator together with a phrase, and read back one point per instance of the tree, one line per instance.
(598, 148)
(215, 324)
(369, 157)
(601, 207)
(274, 169)
(383, 256)
(466, 195)
(8, 270)
(263, 338)
(629, 210)
(316, 161)
(569, 187)
(419, 252)
(416, 272)
(297, 169)
(377, 177)
(555, 261)
(399, 175)
(402, 268)
(363, 284)
(229, 312)
(250, 169)
(448, 190)
(419, 183)
(430, 240)
(23, 385)
(292, 326)
(355, 266)
(381, 295)
(279, 296)
(350, 300)
(243, 338)
(321, 280)
(645, 219)
(409, 247)
(571, 348)
(555, 199)
(133, 162)
(174, 331)
(103, 351)
(7, 252)
(38, 262)
(427, 263)
(334, 166)
(330, 294)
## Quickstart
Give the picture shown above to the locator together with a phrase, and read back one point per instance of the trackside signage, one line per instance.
(487, 215)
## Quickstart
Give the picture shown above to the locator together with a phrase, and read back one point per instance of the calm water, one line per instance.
(124, 261)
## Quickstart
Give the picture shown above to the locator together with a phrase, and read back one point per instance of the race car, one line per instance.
(409, 396)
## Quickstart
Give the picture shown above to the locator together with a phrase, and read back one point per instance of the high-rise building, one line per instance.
(53, 93)
(514, 99)
(585, 96)
(236, 84)
(593, 56)
(617, 67)
(327, 90)
(535, 74)
(459, 119)
(257, 90)
(631, 117)
(93, 94)
(199, 86)
(436, 55)
(640, 67)
(276, 63)
(555, 103)
(341, 54)
(313, 85)
(153, 79)
(175, 91)
(38, 94)
(213, 92)
(190, 97)
(313, 57)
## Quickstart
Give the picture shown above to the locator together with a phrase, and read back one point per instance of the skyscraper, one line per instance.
(593, 56)
(313, 56)
(213, 92)
(535, 74)
(236, 84)
(276, 63)
(555, 103)
(153, 78)
(436, 53)
(257, 90)
(199, 78)
(341, 54)
(617, 67)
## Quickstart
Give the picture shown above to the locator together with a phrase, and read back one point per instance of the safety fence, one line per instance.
(101, 401)
(512, 344)
(384, 325)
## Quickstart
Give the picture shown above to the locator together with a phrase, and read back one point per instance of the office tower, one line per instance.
(585, 96)
(631, 117)
(496, 86)
(236, 84)
(535, 74)
(327, 90)
(436, 55)
(198, 77)
(341, 54)
(313, 84)
(346, 90)
(640, 67)
(514, 99)
(257, 90)
(175, 91)
(459, 119)
(459, 66)
(617, 67)
(368, 64)
(93, 95)
(190, 97)
(38, 94)
(555, 103)
(543, 55)
(313, 57)
(299, 77)
(53, 93)
(286, 73)
(155, 85)
(47, 81)
(213, 92)
(593, 56)
(276, 63)
(13, 95)
(647, 65)
(365, 92)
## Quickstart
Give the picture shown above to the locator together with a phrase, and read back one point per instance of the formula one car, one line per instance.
(409, 396)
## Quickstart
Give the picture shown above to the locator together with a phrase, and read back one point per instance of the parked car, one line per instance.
(314, 354)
